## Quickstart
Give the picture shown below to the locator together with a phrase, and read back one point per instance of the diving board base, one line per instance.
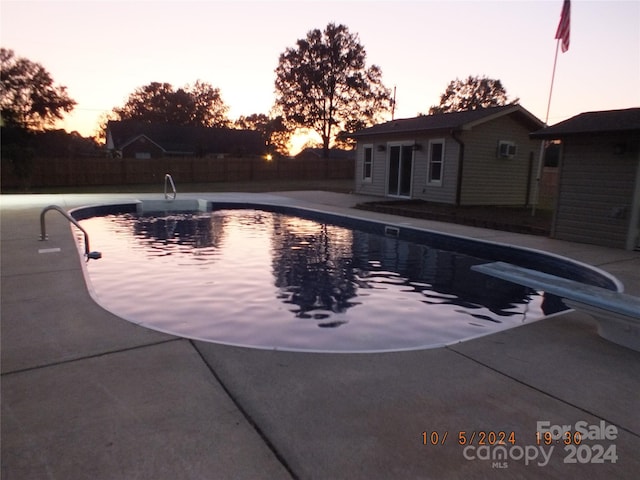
(616, 328)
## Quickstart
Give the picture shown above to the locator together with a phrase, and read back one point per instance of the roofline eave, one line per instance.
(533, 123)
(515, 108)
(542, 135)
(133, 139)
(415, 131)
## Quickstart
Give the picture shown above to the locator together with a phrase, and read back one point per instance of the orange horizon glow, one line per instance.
(419, 55)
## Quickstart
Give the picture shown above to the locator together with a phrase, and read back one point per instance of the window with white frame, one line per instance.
(367, 164)
(435, 168)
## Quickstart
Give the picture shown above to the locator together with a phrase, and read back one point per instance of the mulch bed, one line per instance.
(510, 219)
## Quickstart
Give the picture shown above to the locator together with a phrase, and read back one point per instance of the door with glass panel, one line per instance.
(400, 170)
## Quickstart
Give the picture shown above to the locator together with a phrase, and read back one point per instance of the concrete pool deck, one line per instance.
(86, 394)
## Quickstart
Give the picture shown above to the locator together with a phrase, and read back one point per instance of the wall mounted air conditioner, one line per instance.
(506, 149)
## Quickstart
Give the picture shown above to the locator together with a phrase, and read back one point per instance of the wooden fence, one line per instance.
(548, 186)
(71, 172)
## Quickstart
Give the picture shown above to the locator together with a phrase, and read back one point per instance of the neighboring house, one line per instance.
(475, 157)
(133, 139)
(316, 154)
(598, 198)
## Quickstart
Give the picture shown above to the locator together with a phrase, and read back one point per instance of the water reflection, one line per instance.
(312, 266)
(196, 231)
(440, 276)
(322, 271)
(325, 269)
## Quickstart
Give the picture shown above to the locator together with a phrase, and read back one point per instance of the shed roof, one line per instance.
(456, 121)
(608, 121)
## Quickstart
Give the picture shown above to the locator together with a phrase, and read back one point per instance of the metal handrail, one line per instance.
(44, 236)
(169, 179)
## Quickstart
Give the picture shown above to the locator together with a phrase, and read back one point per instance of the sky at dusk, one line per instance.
(103, 50)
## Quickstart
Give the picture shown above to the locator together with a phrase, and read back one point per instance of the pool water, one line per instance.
(270, 280)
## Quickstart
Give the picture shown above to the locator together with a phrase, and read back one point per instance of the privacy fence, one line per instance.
(71, 172)
(548, 186)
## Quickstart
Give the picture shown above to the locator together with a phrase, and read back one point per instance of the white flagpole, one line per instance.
(542, 142)
(562, 35)
(553, 76)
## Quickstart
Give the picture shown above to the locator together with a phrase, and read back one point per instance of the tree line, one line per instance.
(323, 84)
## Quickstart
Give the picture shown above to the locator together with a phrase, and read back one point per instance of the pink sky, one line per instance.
(103, 50)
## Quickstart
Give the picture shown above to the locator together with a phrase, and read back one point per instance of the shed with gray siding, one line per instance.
(475, 157)
(598, 198)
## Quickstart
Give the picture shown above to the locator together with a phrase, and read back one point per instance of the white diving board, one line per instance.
(618, 314)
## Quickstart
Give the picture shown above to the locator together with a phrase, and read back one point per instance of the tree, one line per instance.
(197, 105)
(471, 94)
(28, 97)
(272, 129)
(209, 109)
(323, 84)
(255, 121)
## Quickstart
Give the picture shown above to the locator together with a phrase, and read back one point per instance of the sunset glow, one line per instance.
(103, 50)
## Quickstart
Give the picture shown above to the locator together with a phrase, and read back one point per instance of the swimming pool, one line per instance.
(293, 279)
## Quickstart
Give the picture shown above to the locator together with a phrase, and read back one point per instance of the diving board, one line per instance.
(617, 314)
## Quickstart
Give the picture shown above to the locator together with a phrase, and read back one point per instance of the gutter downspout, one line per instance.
(460, 167)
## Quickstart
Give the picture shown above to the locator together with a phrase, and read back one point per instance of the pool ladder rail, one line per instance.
(43, 231)
(168, 181)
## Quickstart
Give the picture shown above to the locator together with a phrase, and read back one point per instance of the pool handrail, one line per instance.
(168, 179)
(43, 230)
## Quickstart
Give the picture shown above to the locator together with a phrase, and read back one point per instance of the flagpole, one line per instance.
(393, 104)
(553, 76)
(562, 35)
(542, 142)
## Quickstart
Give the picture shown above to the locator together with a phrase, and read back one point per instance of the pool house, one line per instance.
(475, 157)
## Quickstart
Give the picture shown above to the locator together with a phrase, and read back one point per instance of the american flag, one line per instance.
(564, 26)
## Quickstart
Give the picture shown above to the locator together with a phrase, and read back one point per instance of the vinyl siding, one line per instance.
(377, 184)
(596, 191)
(490, 180)
(486, 180)
(446, 192)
